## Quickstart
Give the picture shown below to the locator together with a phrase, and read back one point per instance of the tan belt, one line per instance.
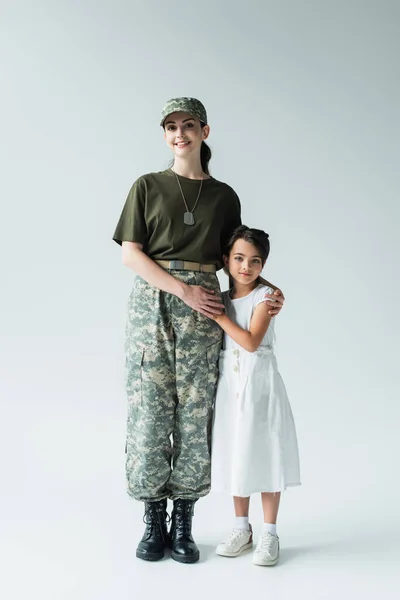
(186, 265)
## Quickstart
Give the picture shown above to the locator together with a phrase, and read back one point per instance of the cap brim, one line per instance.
(186, 111)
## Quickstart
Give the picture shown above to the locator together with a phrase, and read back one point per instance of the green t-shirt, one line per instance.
(153, 216)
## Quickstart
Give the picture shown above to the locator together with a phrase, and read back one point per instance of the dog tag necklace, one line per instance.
(188, 216)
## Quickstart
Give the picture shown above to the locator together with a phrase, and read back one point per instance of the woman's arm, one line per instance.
(195, 296)
(249, 340)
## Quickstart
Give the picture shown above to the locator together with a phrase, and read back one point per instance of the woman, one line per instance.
(173, 229)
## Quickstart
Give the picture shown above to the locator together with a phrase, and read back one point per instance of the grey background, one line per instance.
(303, 101)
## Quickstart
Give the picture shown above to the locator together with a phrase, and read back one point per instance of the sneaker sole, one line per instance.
(193, 558)
(237, 553)
(270, 563)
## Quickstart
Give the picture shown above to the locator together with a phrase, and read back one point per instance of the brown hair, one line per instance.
(257, 237)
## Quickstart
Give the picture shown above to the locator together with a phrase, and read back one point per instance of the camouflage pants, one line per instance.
(171, 373)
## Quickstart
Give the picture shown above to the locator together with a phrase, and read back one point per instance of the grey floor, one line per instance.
(73, 536)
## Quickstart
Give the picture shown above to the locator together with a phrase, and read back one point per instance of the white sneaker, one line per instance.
(267, 552)
(238, 541)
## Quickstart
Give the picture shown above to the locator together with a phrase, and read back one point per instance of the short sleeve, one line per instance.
(260, 293)
(131, 226)
(225, 298)
(232, 221)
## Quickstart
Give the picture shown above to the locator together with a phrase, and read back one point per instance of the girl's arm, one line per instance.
(195, 296)
(249, 340)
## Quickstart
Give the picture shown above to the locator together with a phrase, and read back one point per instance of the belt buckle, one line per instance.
(179, 265)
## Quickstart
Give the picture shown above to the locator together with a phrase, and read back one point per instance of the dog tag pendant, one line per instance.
(188, 218)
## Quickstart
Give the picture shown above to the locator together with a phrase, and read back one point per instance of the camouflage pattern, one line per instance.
(171, 373)
(189, 105)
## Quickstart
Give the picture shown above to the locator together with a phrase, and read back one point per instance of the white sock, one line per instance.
(270, 528)
(242, 523)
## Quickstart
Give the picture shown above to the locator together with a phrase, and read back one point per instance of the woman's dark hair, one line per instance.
(257, 237)
(205, 155)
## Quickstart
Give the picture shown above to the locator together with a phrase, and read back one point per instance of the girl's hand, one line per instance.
(275, 302)
(218, 318)
(203, 300)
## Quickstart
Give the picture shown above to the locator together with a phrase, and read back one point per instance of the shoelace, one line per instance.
(183, 514)
(154, 512)
(266, 542)
(234, 535)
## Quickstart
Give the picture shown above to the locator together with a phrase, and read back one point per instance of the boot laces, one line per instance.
(183, 513)
(156, 517)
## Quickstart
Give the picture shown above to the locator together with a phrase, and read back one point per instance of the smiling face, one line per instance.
(244, 262)
(184, 134)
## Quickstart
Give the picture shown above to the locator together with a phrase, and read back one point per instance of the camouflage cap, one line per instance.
(189, 105)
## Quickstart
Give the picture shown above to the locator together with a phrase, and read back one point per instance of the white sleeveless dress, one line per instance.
(254, 442)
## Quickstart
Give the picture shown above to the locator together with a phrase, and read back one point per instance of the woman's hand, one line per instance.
(275, 302)
(203, 300)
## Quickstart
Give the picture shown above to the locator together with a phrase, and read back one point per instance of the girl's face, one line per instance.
(184, 134)
(244, 262)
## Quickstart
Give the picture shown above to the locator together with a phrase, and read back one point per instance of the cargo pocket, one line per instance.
(133, 382)
(212, 379)
(212, 363)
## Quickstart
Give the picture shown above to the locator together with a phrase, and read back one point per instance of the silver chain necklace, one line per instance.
(188, 216)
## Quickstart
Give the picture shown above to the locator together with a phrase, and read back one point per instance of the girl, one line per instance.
(254, 438)
(172, 230)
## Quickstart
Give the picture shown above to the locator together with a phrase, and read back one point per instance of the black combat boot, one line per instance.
(184, 549)
(156, 537)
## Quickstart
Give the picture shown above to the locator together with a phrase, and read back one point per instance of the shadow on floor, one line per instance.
(207, 551)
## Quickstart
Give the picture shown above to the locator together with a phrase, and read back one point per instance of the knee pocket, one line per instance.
(134, 376)
(212, 353)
